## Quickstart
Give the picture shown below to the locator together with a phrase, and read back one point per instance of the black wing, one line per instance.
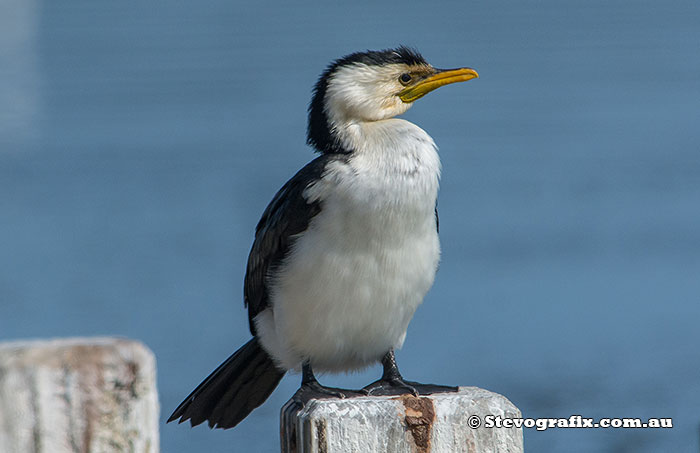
(287, 215)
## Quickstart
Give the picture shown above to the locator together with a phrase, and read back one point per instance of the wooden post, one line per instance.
(439, 423)
(78, 395)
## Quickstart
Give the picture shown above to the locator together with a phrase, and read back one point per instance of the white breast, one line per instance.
(354, 279)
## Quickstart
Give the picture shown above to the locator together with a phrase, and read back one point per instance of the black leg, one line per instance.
(392, 383)
(307, 374)
(312, 389)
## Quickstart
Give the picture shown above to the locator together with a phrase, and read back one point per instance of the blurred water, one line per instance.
(140, 142)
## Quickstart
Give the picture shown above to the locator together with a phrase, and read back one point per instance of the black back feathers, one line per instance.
(287, 215)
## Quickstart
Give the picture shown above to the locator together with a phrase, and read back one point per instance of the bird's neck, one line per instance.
(393, 135)
(393, 150)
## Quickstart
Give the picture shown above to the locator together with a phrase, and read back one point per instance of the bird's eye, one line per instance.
(405, 78)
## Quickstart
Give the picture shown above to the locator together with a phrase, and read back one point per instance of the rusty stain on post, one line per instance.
(321, 436)
(420, 415)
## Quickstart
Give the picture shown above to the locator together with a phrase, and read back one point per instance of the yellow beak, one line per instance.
(440, 78)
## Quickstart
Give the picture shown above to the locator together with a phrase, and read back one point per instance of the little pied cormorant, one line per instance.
(347, 249)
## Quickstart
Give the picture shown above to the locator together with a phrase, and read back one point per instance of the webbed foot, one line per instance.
(392, 383)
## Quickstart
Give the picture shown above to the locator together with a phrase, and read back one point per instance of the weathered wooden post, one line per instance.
(439, 423)
(78, 395)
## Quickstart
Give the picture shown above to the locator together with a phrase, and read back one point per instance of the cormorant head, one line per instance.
(371, 86)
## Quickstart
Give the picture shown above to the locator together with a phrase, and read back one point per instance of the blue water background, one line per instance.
(141, 141)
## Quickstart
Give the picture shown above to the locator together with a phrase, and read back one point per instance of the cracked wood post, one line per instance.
(78, 395)
(438, 423)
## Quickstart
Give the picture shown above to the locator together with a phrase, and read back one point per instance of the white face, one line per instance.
(367, 93)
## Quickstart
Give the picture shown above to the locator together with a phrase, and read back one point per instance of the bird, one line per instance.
(347, 249)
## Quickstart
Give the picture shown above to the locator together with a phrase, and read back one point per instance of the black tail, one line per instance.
(239, 385)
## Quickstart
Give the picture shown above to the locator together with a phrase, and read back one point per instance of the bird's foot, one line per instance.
(314, 390)
(399, 386)
(315, 386)
(390, 386)
(429, 389)
(392, 383)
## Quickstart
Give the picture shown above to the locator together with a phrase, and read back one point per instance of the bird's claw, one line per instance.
(392, 386)
(314, 390)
